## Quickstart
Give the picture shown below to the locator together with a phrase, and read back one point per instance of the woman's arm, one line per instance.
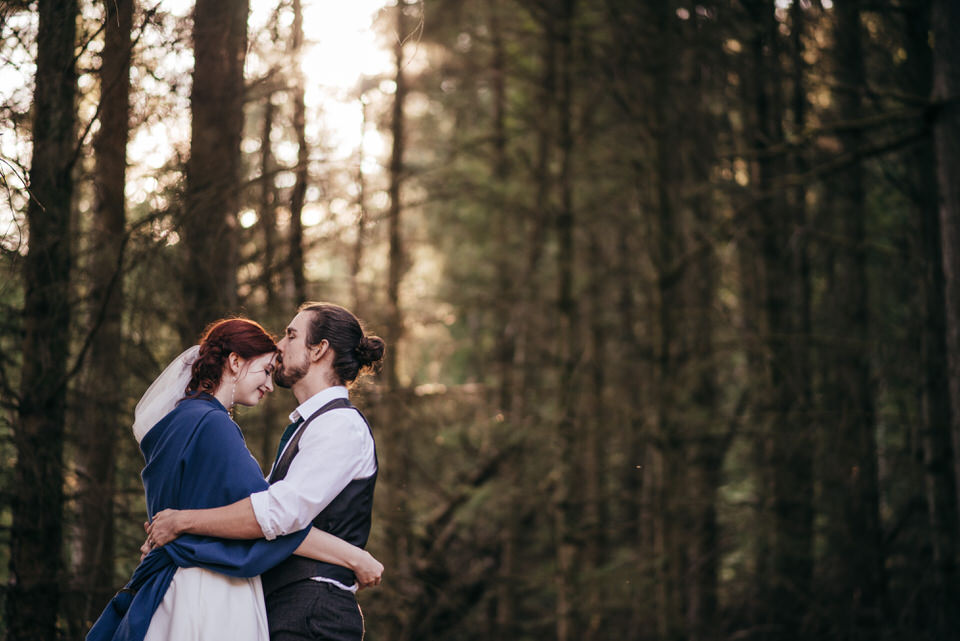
(324, 546)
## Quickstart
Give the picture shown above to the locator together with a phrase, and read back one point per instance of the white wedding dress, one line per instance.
(202, 605)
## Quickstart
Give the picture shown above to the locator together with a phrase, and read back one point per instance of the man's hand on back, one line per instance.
(165, 527)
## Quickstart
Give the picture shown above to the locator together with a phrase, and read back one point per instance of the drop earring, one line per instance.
(233, 393)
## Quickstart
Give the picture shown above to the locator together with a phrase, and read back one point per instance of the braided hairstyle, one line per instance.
(354, 352)
(241, 336)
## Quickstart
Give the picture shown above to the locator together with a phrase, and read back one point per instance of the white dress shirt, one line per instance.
(336, 449)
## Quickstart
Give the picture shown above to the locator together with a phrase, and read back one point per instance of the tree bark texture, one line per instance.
(268, 203)
(568, 346)
(299, 195)
(946, 135)
(396, 257)
(503, 219)
(705, 454)
(213, 170)
(99, 416)
(359, 300)
(938, 450)
(36, 563)
(506, 316)
(788, 450)
(396, 467)
(854, 557)
(669, 246)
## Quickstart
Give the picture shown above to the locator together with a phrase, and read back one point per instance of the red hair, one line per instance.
(244, 337)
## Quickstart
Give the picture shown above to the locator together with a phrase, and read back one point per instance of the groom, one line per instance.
(324, 475)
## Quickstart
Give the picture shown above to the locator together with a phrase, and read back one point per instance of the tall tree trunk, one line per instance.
(298, 197)
(267, 205)
(946, 134)
(757, 303)
(938, 450)
(396, 467)
(705, 460)
(568, 352)
(594, 409)
(396, 257)
(36, 536)
(526, 315)
(788, 453)
(797, 436)
(668, 251)
(506, 340)
(595, 424)
(506, 313)
(101, 410)
(855, 556)
(213, 170)
(635, 443)
(708, 448)
(275, 312)
(528, 340)
(802, 266)
(358, 299)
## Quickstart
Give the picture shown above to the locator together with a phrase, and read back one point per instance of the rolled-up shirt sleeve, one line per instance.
(336, 449)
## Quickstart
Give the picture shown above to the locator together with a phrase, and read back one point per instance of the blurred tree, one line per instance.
(786, 446)
(946, 132)
(854, 560)
(302, 172)
(710, 437)
(938, 449)
(36, 563)
(395, 270)
(396, 461)
(565, 500)
(664, 277)
(102, 388)
(267, 213)
(667, 255)
(212, 198)
(504, 230)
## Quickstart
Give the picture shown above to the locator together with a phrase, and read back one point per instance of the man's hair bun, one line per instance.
(370, 350)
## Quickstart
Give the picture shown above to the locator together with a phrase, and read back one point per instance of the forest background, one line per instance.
(670, 293)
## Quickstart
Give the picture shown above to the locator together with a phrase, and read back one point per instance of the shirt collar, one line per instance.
(318, 400)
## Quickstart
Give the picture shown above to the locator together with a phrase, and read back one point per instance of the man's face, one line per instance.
(293, 360)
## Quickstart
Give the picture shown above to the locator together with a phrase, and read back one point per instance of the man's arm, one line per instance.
(237, 521)
(234, 521)
(331, 455)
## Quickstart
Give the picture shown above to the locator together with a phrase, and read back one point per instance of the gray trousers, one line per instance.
(313, 610)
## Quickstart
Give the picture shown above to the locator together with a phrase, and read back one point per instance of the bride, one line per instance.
(197, 588)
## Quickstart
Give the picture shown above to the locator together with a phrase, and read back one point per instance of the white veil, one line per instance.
(163, 393)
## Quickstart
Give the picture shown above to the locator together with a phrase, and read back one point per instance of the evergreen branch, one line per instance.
(803, 139)
(82, 140)
(815, 174)
(100, 316)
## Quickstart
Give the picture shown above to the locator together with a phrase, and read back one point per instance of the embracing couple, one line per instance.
(230, 555)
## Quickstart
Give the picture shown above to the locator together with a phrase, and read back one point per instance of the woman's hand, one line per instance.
(146, 548)
(165, 527)
(323, 546)
(368, 570)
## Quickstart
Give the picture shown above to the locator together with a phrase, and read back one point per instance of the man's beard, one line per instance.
(285, 375)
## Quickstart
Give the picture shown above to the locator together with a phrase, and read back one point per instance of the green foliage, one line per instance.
(627, 454)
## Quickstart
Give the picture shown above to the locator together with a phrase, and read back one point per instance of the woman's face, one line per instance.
(255, 379)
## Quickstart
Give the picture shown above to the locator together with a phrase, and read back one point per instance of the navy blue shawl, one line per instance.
(196, 458)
